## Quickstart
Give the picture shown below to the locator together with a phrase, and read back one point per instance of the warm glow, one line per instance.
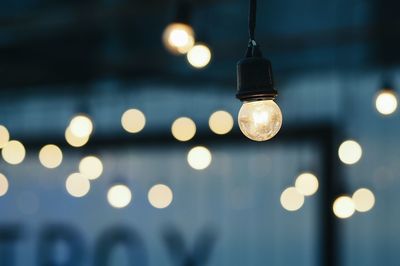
(73, 140)
(220, 122)
(199, 158)
(3, 185)
(199, 56)
(160, 196)
(50, 156)
(133, 120)
(4, 136)
(77, 185)
(307, 184)
(260, 120)
(343, 207)
(91, 167)
(119, 196)
(291, 199)
(364, 200)
(386, 102)
(178, 38)
(81, 126)
(183, 129)
(13, 152)
(350, 152)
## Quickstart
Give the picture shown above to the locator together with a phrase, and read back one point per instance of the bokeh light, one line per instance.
(4, 136)
(91, 167)
(119, 196)
(3, 185)
(364, 200)
(73, 140)
(183, 129)
(199, 56)
(350, 152)
(77, 185)
(386, 102)
(50, 156)
(221, 122)
(81, 126)
(13, 152)
(291, 199)
(343, 207)
(178, 38)
(307, 184)
(199, 158)
(133, 120)
(160, 196)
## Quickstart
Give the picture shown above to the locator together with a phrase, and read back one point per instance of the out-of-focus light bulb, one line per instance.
(91, 167)
(199, 56)
(386, 102)
(81, 126)
(3, 185)
(183, 129)
(291, 199)
(77, 185)
(307, 184)
(13, 152)
(133, 120)
(178, 38)
(260, 120)
(199, 158)
(4, 136)
(50, 156)
(73, 140)
(350, 152)
(364, 200)
(119, 196)
(160, 196)
(220, 122)
(343, 207)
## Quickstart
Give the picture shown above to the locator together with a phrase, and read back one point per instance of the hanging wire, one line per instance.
(252, 47)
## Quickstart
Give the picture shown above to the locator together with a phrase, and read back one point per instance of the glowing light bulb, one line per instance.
(350, 152)
(260, 120)
(73, 140)
(199, 158)
(160, 196)
(81, 126)
(183, 129)
(307, 184)
(119, 196)
(50, 156)
(386, 102)
(220, 122)
(364, 200)
(178, 38)
(343, 207)
(199, 56)
(77, 185)
(13, 152)
(3, 185)
(91, 167)
(133, 120)
(4, 136)
(291, 199)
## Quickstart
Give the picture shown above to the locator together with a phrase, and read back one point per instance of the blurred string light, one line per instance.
(133, 120)
(3, 185)
(183, 129)
(343, 207)
(386, 101)
(221, 122)
(50, 156)
(199, 158)
(13, 152)
(160, 196)
(91, 167)
(73, 140)
(291, 199)
(364, 200)
(119, 196)
(307, 184)
(81, 126)
(4, 136)
(350, 152)
(77, 185)
(199, 56)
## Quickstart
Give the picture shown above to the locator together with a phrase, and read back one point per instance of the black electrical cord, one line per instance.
(252, 48)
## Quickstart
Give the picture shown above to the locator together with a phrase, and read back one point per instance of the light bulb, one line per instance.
(260, 120)
(178, 38)
(386, 102)
(199, 56)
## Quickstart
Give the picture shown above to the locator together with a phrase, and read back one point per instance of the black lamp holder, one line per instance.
(254, 73)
